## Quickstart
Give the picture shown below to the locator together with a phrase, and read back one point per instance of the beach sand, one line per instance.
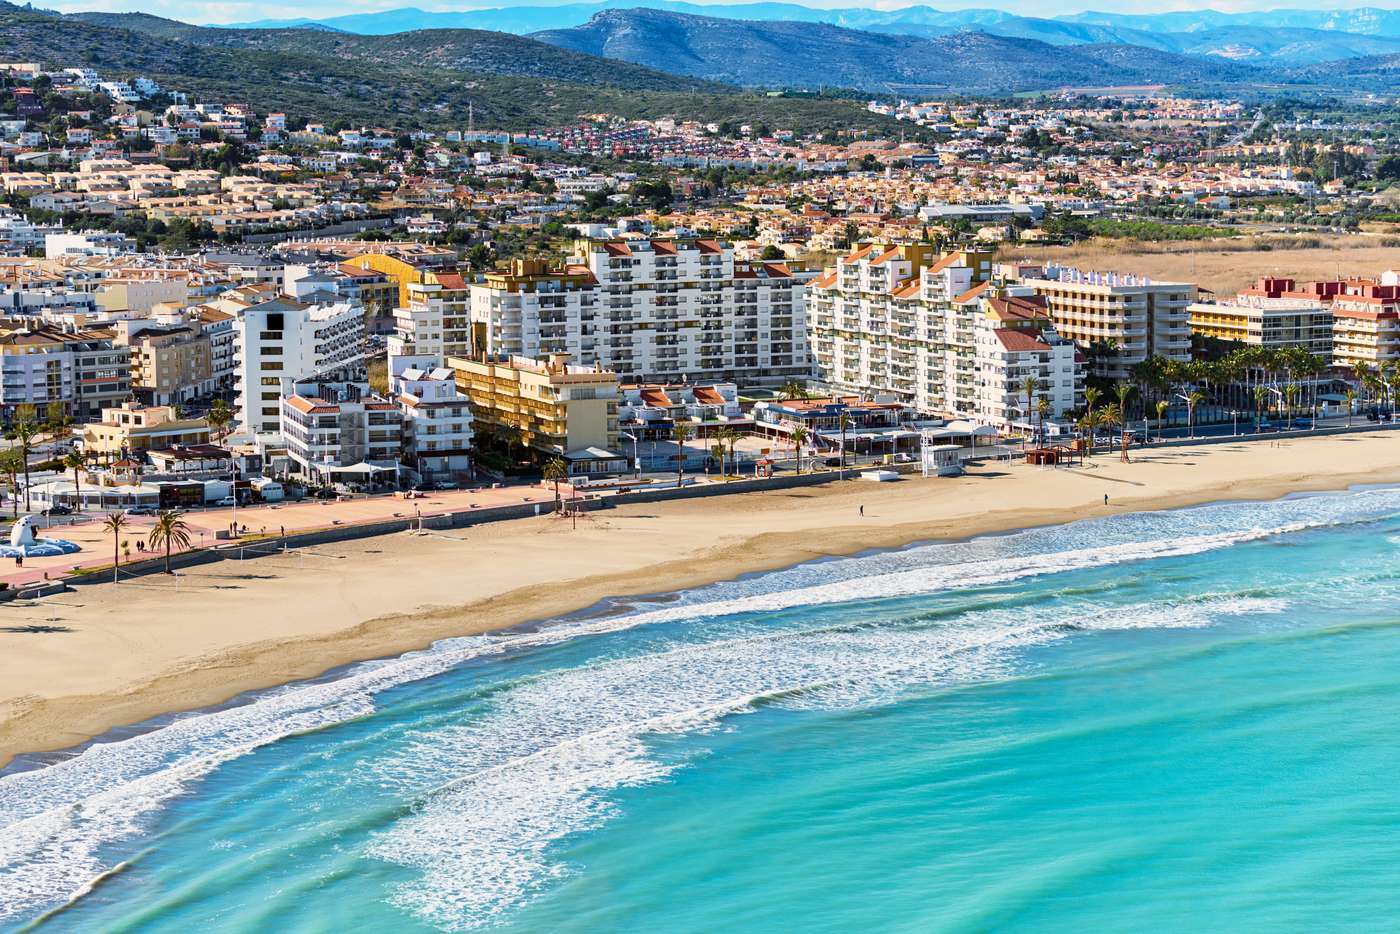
(125, 653)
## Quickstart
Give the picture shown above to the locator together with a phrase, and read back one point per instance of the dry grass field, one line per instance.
(1227, 266)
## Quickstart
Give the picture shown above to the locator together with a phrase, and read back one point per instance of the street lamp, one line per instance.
(1234, 422)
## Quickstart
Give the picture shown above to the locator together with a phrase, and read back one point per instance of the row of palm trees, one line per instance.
(170, 532)
(1243, 378)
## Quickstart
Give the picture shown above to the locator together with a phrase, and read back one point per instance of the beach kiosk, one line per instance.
(939, 459)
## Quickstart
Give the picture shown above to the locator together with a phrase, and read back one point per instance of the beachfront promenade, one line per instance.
(261, 524)
(261, 521)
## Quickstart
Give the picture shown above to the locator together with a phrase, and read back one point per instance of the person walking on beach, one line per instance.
(1105, 499)
(862, 509)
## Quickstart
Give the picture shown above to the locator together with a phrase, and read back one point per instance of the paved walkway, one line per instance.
(268, 519)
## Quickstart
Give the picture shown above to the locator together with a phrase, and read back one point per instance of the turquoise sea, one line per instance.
(1162, 721)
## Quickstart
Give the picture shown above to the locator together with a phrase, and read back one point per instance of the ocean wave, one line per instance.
(541, 765)
(58, 824)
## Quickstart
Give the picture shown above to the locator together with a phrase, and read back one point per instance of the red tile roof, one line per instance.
(1019, 341)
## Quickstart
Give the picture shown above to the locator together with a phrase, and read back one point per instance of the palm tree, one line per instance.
(1042, 409)
(12, 463)
(24, 430)
(114, 523)
(1193, 400)
(1091, 398)
(1162, 407)
(729, 436)
(680, 433)
(75, 462)
(1089, 427)
(1124, 392)
(792, 389)
(219, 416)
(555, 470)
(1261, 400)
(1351, 405)
(798, 436)
(1030, 386)
(1111, 415)
(170, 531)
(717, 454)
(1290, 397)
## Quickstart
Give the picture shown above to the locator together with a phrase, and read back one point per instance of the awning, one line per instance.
(360, 468)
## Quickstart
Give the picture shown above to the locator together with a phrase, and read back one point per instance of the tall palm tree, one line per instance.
(1261, 400)
(843, 421)
(1163, 406)
(1192, 401)
(24, 430)
(114, 523)
(728, 436)
(1091, 398)
(1089, 427)
(1351, 405)
(75, 462)
(219, 416)
(680, 433)
(1124, 392)
(555, 470)
(1290, 398)
(1030, 386)
(798, 436)
(169, 532)
(1042, 409)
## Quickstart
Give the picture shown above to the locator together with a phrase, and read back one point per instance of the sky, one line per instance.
(232, 11)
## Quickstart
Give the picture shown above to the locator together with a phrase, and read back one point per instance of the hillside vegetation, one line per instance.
(414, 80)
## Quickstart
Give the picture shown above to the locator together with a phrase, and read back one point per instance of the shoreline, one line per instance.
(41, 715)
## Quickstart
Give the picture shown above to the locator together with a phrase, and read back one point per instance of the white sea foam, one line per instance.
(540, 765)
(56, 822)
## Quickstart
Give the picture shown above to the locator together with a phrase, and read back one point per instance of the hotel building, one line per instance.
(557, 408)
(283, 342)
(1274, 313)
(651, 311)
(1118, 320)
(899, 321)
(1366, 322)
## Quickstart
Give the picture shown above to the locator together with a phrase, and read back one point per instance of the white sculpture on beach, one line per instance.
(25, 544)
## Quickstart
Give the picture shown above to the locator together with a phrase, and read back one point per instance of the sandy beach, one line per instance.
(103, 656)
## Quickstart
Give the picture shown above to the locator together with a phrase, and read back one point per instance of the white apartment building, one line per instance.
(88, 243)
(437, 423)
(437, 321)
(1118, 320)
(282, 342)
(900, 322)
(81, 370)
(1016, 340)
(340, 432)
(1366, 323)
(652, 311)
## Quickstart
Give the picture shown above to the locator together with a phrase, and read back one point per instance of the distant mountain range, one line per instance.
(813, 55)
(1285, 38)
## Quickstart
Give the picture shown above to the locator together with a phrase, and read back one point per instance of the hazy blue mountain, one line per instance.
(811, 55)
(1285, 38)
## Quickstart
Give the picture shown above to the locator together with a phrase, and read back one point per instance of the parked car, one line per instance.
(227, 501)
(59, 511)
(141, 511)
